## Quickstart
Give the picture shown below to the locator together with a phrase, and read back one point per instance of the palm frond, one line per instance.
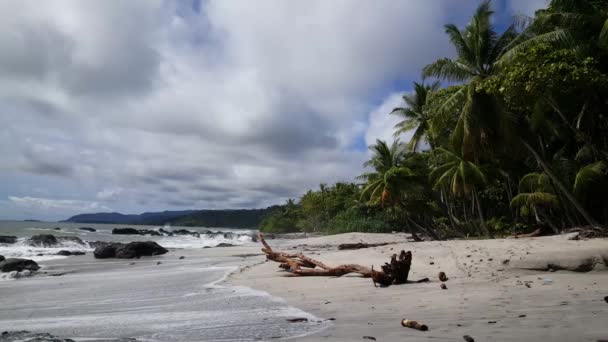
(448, 69)
(539, 199)
(588, 176)
(603, 38)
(560, 38)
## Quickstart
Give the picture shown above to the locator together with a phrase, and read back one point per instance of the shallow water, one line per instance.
(177, 300)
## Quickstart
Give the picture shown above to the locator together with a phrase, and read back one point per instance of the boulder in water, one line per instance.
(223, 244)
(88, 229)
(128, 251)
(2, 258)
(125, 231)
(43, 240)
(74, 239)
(26, 336)
(149, 232)
(14, 264)
(8, 239)
(69, 253)
(138, 249)
(104, 250)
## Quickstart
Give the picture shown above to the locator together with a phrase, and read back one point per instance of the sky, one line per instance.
(149, 105)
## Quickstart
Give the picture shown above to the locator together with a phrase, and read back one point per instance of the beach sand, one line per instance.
(486, 297)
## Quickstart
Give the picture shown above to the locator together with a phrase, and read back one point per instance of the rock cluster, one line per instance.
(19, 265)
(130, 250)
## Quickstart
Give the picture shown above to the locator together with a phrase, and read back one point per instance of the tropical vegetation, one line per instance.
(516, 141)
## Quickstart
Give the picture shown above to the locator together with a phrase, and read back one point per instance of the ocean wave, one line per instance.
(22, 249)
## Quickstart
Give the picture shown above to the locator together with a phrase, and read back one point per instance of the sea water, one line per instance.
(161, 298)
(24, 230)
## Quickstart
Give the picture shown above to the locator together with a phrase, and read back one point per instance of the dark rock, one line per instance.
(165, 232)
(128, 251)
(468, 338)
(43, 240)
(187, 232)
(2, 258)
(26, 336)
(138, 249)
(74, 239)
(182, 257)
(297, 320)
(149, 232)
(125, 231)
(56, 228)
(105, 250)
(68, 253)
(14, 264)
(8, 239)
(223, 244)
(369, 338)
(88, 229)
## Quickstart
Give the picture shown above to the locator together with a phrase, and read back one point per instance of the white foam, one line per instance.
(21, 249)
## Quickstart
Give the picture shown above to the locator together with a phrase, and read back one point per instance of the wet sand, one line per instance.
(160, 298)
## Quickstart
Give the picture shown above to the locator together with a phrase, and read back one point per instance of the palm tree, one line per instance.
(461, 177)
(414, 114)
(536, 193)
(482, 123)
(586, 21)
(383, 183)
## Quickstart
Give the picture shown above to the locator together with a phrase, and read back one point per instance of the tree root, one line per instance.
(299, 265)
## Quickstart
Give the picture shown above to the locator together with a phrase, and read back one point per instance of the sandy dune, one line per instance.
(487, 296)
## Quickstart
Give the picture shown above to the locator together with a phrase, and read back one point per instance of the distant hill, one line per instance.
(234, 218)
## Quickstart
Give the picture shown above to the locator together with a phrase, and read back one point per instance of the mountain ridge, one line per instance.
(237, 218)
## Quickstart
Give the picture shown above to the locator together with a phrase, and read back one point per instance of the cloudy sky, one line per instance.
(146, 105)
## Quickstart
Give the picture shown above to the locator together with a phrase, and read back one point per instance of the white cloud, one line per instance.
(527, 7)
(381, 124)
(109, 193)
(241, 105)
(56, 204)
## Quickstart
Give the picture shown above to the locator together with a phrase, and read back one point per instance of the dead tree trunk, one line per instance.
(299, 265)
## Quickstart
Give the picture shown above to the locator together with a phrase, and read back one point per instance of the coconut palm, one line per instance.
(482, 123)
(586, 21)
(383, 183)
(461, 177)
(414, 117)
(536, 193)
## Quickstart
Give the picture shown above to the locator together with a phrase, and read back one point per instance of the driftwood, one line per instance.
(299, 265)
(360, 245)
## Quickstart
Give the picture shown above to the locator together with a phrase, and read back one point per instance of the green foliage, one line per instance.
(520, 140)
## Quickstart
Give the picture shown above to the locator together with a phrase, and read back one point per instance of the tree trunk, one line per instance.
(561, 186)
(481, 218)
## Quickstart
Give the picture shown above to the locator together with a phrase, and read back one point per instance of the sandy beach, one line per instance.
(486, 297)
(544, 288)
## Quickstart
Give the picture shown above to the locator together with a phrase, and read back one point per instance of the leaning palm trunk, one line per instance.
(485, 229)
(561, 186)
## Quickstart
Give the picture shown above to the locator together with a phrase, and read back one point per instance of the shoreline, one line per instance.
(486, 297)
(160, 298)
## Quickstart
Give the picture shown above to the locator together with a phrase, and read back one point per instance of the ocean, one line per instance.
(158, 299)
(24, 230)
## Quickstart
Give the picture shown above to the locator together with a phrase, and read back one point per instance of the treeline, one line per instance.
(230, 218)
(519, 141)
